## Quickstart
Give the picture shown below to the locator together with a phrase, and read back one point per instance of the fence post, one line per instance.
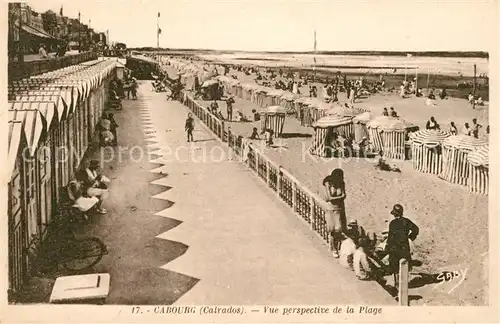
(278, 182)
(268, 178)
(294, 196)
(312, 203)
(403, 283)
(329, 228)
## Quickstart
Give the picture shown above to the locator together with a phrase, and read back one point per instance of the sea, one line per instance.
(452, 66)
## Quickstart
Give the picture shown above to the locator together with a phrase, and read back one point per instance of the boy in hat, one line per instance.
(401, 230)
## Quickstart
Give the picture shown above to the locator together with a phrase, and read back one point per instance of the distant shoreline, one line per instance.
(472, 54)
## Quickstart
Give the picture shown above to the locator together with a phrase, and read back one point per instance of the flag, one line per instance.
(158, 15)
(61, 11)
(159, 30)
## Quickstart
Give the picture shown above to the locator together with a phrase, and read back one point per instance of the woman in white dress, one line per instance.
(77, 193)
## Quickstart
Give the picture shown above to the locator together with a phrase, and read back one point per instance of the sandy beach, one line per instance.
(453, 222)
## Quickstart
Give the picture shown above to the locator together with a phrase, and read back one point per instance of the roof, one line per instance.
(349, 111)
(68, 93)
(386, 123)
(274, 110)
(332, 121)
(44, 96)
(480, 157)
(464, 142)
(362, 118)
(429, 137)
(209, 83)
(15, 135)
(31, 30)
(143, 58)
(32, 122)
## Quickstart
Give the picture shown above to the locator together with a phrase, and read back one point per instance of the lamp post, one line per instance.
(79, 34)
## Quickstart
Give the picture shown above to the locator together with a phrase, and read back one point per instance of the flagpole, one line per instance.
(158, 31)
(157, 36)
(314, 66)
(79, 33)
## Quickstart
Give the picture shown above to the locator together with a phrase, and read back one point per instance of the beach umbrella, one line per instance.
(426, 150)
(478, 181)
(455, 157)
(273, 117)
(388, 134)
(323, 130)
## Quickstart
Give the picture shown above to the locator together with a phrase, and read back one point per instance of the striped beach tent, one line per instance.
(273, 118)
(288, 102)
(323, 131)
(478, 181)
(455, 154)
(359, 123)
(318, 109)
(388, 134)
(426, 150)
(341, 110)
(304, 111)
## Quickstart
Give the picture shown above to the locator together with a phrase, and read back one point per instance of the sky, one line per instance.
(279, 25)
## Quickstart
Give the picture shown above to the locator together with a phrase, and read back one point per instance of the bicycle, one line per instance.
(61, 247)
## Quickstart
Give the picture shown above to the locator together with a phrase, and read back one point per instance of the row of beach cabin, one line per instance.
(52, 120)
(458, 159)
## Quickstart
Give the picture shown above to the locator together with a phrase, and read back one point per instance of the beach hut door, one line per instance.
(17, 237)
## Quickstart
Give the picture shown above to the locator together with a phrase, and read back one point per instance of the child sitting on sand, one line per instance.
(255, 134)
(269, 137)
(256, 115)
(381, 164)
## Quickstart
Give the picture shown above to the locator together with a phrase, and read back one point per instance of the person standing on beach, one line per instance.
(475, 128)
(229, 104)
(453, 129)
(401, 231)
(335, 194)
(467, 130)
(189, 126)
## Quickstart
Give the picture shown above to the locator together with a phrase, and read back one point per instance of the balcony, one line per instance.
(20, 70)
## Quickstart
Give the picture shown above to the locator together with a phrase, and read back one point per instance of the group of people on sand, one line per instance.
(354, 247)
(89, 189)
(391, 113)
(469, 130)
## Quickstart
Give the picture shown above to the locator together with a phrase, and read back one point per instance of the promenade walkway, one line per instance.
(194, 226)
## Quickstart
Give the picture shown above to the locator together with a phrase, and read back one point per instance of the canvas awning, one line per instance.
(65, 93)
(15, 135)
(32, 122)
(74, 91)
(59, 105)
(33, 31)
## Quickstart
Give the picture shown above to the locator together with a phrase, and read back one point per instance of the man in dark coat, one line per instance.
(401, 230)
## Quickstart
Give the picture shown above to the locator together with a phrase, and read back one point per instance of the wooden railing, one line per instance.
(311, 208)
(20, 70)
